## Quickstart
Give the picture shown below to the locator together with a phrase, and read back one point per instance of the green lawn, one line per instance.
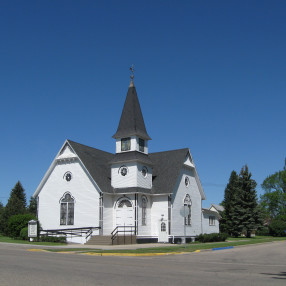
(191, 247)
(11, 240)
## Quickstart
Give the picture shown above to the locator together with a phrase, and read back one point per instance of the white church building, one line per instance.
(156, 197)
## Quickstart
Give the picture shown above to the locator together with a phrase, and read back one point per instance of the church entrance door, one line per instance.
(124, 213)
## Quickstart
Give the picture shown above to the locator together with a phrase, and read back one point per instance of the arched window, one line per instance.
(144, 207)
(163, 226)
(188, 206)
(67, 210)
(125, 202)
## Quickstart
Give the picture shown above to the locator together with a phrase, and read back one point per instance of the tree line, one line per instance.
(244, 213)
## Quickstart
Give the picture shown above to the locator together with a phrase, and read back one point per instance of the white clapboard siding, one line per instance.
(159, 210)
(207, 228)
(177, 223)
(84, 192)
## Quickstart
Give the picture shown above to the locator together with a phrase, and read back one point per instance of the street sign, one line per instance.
(184, 211)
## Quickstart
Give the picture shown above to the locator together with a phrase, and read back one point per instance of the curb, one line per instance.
(131, 254)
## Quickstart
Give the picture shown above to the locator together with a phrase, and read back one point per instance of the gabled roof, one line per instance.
(209, 212)
(96, 162)
(131, 121)
(166, 168)
(217, 207)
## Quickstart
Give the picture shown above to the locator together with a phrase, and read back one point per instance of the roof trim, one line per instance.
(54, 163)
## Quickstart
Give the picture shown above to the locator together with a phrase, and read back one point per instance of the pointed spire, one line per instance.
(132, 76)
(131, 122)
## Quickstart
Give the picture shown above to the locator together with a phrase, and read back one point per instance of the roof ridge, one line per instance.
(181, 149)
(71, 141)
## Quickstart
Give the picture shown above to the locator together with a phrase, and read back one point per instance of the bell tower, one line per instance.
(131, 166)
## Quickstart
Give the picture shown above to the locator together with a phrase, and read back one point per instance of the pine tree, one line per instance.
(17, 201)
(240, 203)
(230, 195)
(32, 209)
(249, 214)
(1, 217)
(16, 205)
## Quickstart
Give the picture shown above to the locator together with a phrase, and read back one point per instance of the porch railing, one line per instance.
(124, 232)
(75, 232)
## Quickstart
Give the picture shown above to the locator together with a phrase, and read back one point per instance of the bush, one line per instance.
(24, 233)
(17, 222)
(59, 239)
(277, 227)
(212, 237)
(263, 231)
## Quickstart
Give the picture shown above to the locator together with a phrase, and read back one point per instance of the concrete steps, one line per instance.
(106, 240)
(99, 240)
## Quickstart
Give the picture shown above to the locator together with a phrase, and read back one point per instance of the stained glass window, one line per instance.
(144, 207)
(67, 210)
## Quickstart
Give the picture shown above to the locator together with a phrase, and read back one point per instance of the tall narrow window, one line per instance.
(212, 220)
(188, 208)
(163, 226)
(125, 144)
(144, 208)
(67, 210)
(141, 145)
(169, 212)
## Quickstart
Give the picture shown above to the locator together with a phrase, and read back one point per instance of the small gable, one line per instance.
(66, 152)
(189, 161)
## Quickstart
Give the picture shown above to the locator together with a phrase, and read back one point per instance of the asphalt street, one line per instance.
(261, 265)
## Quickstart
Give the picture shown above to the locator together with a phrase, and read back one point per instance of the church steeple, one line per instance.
(131, 166)
(131, 122)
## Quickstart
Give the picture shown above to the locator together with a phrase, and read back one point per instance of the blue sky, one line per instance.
(210, 75)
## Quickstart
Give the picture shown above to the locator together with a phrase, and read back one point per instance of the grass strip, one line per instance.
(192, 247)
(19, 241)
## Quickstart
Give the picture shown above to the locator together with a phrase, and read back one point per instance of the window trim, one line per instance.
(212, 220)
(67, 209)
(141, 147)
(144, 210)
(188, 204)
(125, 144)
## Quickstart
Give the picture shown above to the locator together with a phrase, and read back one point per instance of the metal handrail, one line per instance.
(118, 229)
(78, 232)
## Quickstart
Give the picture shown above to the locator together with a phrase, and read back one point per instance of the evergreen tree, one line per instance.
(32, 209)
(249, 214)
(1, 217)
(16, 205)
(229, 223)
(17, 201)
(241, 210)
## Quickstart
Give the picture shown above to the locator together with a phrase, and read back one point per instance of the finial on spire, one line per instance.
(132, 76)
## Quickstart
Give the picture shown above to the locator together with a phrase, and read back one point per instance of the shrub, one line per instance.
(212, 237)
(24, 233)
(59, 239)
(17, 222)
(263, 231)
(277, 227)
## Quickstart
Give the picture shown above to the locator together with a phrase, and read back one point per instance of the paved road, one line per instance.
(251, 265)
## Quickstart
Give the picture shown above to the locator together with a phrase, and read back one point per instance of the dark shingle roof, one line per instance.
(131, 156)
(131, 121)
(96, 162)
(166, 169)
(132, 190)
